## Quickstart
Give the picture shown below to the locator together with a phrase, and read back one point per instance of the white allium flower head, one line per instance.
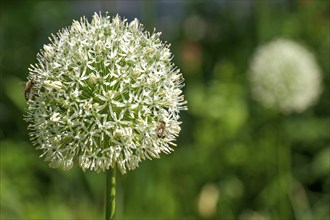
(104, 93)
(285, 76)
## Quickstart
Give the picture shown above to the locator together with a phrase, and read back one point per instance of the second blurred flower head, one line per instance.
(285, 76)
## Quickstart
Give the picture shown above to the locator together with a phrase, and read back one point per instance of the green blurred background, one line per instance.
(234, 159)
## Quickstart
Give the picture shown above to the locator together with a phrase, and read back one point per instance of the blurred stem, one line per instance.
(110, 194)
(284, 171)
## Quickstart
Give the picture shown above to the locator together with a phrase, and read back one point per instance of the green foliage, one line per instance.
(258, 163)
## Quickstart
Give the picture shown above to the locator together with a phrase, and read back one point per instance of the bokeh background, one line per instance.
(235, 159)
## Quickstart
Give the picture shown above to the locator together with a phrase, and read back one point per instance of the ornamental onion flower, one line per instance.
(105, 93)
(285, 76)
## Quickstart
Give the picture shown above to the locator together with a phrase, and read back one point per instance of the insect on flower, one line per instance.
(161, 129)
(29, 89)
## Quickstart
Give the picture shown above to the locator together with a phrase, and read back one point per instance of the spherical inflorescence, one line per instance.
(104, 93)
(285, 76)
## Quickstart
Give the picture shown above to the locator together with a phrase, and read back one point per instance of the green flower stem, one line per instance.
(110, 194)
